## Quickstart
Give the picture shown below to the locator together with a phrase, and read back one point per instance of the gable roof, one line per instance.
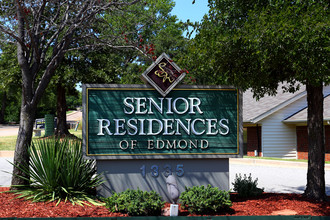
(254, 111)
(301, 116)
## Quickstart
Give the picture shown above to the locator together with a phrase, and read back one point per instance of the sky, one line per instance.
(184, 9)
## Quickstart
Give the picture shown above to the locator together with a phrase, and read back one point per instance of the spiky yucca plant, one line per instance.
(59, 172)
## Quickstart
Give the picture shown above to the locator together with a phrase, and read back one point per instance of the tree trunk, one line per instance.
(316, 148)
(28, 110)
(23, 140)
(30, 63)
(3, 108)
(62, 128)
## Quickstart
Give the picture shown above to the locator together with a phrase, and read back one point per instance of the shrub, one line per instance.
(135, 202)
(246, 187)
(58, 171)
(205, 200)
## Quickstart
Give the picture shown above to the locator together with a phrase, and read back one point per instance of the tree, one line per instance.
(109, 65)
(44, 31)
(10, 88)
(9, 79)
(165, 35)
(64, 85)
(259, 44)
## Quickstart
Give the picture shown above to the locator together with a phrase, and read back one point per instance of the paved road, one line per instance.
(12, 130)
(8, 130)
(280, 177)
(277, 179)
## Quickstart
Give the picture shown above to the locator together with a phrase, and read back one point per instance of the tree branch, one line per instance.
(11, 34)
(8, 41)
(102, 45)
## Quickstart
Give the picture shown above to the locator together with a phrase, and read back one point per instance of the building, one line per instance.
(276, 126)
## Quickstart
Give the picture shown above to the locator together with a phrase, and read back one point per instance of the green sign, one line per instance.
(136, 120)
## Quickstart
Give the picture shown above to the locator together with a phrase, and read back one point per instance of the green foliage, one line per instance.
(259, 44)
(266, 44)
(135, 203)
(9, 68)
(10, 101)
(146, 30)
(205, 200)
(58, 171)
(10, 88)
(150, 39)
(47, 104)
(74, 101)
(246, 187)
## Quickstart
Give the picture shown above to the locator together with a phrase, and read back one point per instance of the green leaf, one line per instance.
(135, 202)
(205, 200)
(59, 172)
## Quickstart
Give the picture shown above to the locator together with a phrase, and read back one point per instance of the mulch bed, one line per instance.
(266, 204)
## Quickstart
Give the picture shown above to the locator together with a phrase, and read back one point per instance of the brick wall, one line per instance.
(302, 142)
(327, 142)
(252, 140)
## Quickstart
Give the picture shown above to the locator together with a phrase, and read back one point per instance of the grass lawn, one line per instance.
(8, 142)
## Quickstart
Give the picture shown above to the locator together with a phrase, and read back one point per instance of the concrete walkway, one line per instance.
(5, 153)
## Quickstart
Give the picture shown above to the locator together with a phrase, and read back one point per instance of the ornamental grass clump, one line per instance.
(135, 203)
(245, 186)
(205, 200)
(59, 172)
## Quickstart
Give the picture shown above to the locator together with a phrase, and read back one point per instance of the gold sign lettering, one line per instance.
(163, 74)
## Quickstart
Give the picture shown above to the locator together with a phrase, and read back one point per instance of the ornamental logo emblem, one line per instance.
(163, 74)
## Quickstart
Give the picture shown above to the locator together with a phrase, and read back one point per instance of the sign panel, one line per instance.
(163, 74)
(134, 120)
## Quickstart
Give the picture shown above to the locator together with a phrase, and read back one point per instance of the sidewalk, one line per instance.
(272, 163)
(5, 153)
(241, 161)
